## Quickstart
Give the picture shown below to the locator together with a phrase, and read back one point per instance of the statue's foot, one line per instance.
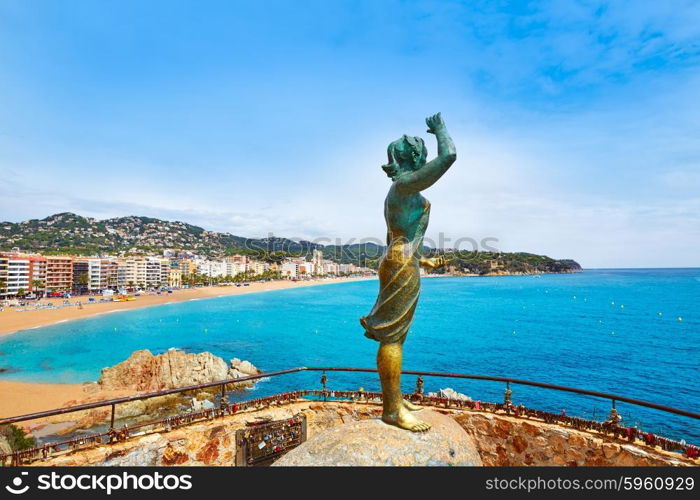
(405, 420)
(410, 406)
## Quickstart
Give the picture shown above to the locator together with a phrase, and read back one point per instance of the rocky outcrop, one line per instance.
(145, 372)
(450, 393)
(374, 443)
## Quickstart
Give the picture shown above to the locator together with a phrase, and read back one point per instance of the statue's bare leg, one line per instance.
(389, 357)
(410, 406)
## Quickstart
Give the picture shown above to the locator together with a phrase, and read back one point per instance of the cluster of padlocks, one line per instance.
(261, 443)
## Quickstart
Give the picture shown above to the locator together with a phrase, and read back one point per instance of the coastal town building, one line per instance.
(133, 274)
(59, 273)
(109, 270)
(3, 276)
(237, 259)
(211, 269)
(164, 272)
(347, 268)
(187, 266)
(153, 272)
(290, 270)
(81, 277)
(17, 276)
(233, 268)
(94, 280)
(297, 269)
(175, 277)
(306, 268)
(24, 273)
(258, 267)
(37, 274)
(330, 268)
(317, 260)
(101, 274)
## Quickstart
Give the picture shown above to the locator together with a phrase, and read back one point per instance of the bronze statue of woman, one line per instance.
(406, 213)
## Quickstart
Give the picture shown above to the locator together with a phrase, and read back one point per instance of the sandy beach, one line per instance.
(17, 398)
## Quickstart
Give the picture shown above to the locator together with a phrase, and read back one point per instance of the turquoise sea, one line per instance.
(615, 331)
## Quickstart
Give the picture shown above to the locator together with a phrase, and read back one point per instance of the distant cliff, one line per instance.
(493, 264)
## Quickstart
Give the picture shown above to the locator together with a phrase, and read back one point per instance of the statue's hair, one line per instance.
(392, 168)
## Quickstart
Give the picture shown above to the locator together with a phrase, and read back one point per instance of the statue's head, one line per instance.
(405, 155)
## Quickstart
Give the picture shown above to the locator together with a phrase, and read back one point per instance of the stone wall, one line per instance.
(504, 440)
(501, 440)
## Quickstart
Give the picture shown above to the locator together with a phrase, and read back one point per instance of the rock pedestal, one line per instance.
(372, 442)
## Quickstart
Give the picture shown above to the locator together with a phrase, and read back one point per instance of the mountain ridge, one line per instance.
(67, 232)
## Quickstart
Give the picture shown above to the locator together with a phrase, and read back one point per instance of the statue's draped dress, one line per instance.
(399, 285)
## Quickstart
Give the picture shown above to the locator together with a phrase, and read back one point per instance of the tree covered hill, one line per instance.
(68, 233)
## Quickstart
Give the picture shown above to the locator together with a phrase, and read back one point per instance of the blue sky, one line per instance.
(576, 122)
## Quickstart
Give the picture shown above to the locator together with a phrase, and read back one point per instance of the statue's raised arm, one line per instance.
(427, 175)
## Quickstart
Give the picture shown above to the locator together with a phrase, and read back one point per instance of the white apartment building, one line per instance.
(290, 270)
(121, 274)
(297, 269)
(231, 266)
(102, 273)
(154, 273)
(17, 276)
(211, 268)
(94, 281)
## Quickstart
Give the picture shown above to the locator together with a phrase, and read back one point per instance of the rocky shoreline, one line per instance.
(145, 372)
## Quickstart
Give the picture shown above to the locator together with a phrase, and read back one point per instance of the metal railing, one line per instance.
(610, 426)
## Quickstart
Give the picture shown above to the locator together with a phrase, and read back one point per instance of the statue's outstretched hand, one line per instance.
(434, 123)
(433, 263)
